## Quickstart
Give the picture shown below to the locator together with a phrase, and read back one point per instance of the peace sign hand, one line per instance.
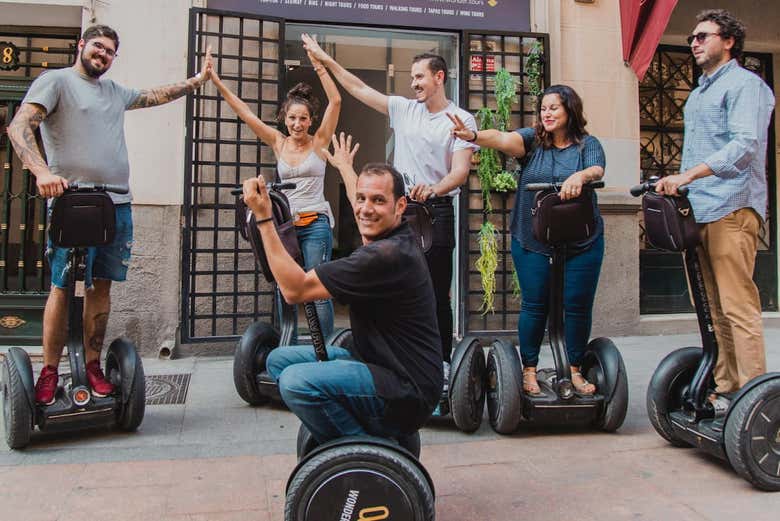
(460, 130)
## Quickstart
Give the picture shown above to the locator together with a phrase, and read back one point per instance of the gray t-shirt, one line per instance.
(83, 133)
(424, 144)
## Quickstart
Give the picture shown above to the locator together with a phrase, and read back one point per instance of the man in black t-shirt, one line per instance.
(391, 383)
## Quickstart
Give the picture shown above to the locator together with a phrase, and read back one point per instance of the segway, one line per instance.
(557, 403)
(362, 477)
(250, 377)
(747, 433)
(82, 217)
(463, 395)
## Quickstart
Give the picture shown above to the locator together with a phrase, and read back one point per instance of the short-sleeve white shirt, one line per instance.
(423, 141)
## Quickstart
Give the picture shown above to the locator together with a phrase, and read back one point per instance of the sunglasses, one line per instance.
(700, 37)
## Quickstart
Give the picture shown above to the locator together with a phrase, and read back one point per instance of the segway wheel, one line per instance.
(603, 365)
(359, 481)
(752, 435)
(504, 403)
(306, 443)
(467, 390)
(125, 370)
(341, 338)
(666, 389)
(17, 413)
(249, 360)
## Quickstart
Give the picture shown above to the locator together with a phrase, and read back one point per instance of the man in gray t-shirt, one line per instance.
(81, 117)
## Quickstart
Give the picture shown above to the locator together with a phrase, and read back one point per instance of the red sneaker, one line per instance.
(97, 380)
(46, 386)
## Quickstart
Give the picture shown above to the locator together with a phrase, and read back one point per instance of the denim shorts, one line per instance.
(108, 262)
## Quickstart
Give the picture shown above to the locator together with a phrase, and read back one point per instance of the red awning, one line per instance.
(643, 23)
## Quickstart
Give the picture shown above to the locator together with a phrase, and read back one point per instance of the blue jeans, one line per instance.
(334, 398)
(108, 262)
(316, 242)
(580, 282)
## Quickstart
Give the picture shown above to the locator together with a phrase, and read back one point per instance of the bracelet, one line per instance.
(261, 221)
(475, 136)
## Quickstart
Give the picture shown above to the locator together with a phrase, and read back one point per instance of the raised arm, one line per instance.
(342, 159)
(354, 85)
(161, 95)
(331, 116)
(510, 143)
(267, 134)
(21, 132)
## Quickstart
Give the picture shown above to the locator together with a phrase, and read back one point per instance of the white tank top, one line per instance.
(309, 176)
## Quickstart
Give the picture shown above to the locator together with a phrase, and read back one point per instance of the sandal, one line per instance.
(581, 385)
(530, 384)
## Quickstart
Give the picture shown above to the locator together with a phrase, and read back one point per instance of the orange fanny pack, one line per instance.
(306, 218)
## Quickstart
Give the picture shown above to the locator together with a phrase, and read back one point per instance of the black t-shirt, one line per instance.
(392, 312)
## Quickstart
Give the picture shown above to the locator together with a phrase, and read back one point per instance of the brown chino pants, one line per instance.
(728, 256)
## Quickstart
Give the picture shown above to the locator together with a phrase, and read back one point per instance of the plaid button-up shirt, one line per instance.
(726, 127)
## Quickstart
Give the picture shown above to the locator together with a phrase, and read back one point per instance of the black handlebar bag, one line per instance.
(285, 228)
(82, 219)
(669, 222)
(419, 217)
(554, 221)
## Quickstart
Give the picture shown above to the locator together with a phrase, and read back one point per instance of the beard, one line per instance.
(89, 69)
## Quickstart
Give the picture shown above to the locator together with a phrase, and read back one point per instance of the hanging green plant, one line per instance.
(487, 263)
(504, 181)
(516, 291)
(506, 95)
(533, 69)
(489, 161)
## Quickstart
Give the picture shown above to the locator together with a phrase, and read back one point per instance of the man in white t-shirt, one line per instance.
(433, 162)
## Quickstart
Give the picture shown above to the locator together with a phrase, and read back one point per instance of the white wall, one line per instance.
(62, 13)
(153, 52)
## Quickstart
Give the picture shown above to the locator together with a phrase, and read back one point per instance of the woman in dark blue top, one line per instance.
(557, 149)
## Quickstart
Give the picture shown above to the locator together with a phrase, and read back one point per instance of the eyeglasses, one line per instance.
(111, 53)
(700, 37)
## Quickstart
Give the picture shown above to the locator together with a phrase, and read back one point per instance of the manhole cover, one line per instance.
(167, 389)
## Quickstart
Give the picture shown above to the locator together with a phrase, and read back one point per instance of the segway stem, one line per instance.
(317, 340)
(555, 321)
(695, 396)
(77, 259)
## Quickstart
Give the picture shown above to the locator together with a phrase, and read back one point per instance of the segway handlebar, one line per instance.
(97, 187)
(649, 186)
(536, 187)
(271, 186)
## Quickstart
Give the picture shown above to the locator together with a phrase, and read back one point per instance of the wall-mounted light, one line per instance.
(585, 1)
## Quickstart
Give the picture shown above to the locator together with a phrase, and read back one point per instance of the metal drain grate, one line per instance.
(167, 389)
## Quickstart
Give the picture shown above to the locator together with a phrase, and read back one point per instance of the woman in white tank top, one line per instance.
(299, 159)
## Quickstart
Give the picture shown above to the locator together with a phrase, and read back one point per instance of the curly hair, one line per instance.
(572, 104)
(730, 27)
(301, 94)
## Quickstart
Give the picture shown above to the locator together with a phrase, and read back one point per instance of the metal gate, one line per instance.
(483, 54)
(672, 75)
(24, 277)
(222, 290)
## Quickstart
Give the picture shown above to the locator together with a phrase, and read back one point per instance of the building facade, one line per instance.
(193, 285)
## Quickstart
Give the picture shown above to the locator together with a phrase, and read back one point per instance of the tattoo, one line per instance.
(21, 132)
(95, 340)
(161, 95)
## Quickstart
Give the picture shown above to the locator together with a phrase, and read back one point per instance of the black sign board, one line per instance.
(485, 15)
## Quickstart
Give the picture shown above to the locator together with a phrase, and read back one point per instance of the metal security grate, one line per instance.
(167, 389)
(222, 290)
(487, 52)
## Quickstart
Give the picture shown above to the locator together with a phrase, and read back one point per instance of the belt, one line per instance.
(444, 200)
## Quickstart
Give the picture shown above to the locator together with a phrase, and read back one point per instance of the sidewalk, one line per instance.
(215, 458)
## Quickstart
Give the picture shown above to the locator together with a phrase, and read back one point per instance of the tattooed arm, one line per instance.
(21, 132)
(168, 93)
